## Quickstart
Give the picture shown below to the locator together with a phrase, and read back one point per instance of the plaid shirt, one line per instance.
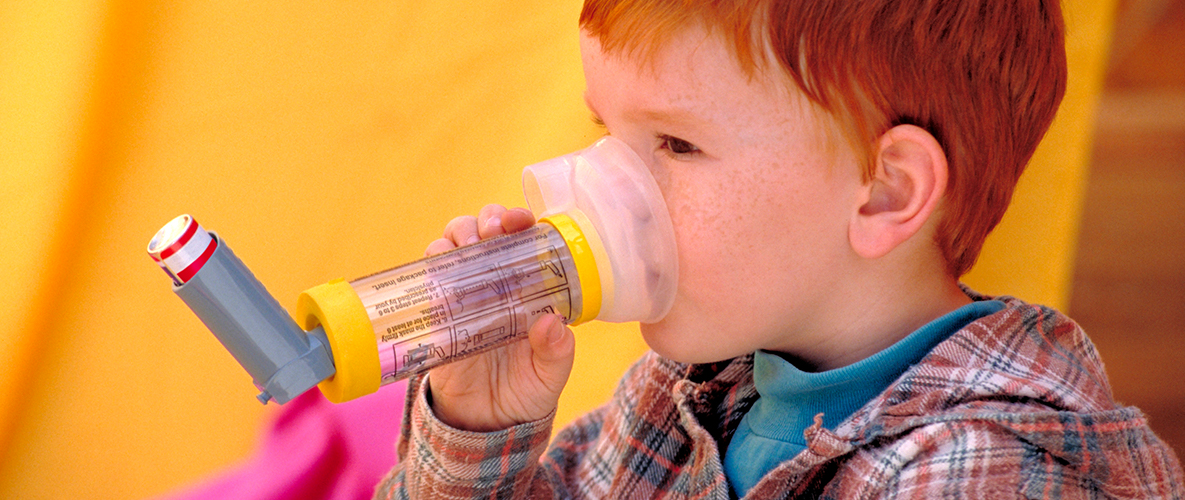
(1016, 404)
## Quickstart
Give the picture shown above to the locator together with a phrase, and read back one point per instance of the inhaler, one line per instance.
(603, 249)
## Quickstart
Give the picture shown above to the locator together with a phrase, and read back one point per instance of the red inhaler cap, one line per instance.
(181, 248)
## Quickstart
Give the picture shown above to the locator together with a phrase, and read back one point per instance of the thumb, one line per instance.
(553, 348)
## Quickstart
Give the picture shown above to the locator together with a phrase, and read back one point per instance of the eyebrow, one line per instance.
(672, 115)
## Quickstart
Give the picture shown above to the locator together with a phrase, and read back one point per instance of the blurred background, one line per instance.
(1129, 281)
(335, 139)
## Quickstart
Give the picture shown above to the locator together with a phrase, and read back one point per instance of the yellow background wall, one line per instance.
(321, 140)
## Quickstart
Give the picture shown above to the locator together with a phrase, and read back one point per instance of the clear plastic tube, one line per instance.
(471, 299)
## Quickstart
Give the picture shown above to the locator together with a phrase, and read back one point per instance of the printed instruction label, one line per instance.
(428, 312)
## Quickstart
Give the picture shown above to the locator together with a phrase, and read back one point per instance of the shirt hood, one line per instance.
(1027, 369)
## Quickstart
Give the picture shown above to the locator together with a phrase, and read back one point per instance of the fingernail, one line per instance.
(494, 222)
(555, 331)
(472, 239)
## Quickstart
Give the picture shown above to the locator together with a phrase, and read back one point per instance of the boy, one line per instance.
(854, 155)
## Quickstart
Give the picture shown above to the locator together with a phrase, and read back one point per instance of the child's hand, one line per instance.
(513, 384)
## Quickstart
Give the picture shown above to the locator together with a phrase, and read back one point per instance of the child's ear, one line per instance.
(908, 183)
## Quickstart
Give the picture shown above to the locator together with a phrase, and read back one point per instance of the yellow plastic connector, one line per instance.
(336, 307)
(583, 249)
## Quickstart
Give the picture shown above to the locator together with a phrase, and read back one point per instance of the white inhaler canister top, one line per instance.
(609, 186)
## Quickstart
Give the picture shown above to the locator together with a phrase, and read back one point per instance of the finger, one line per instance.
(489, 221)
(462, 230)
(439, 246)
(553, 348)
(517, 219)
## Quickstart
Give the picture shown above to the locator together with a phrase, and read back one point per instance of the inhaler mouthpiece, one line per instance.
(608, 185)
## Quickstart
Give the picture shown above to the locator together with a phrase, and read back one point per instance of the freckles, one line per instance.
(695, 207)
(765, 191)
(779, 191)
(695, 218)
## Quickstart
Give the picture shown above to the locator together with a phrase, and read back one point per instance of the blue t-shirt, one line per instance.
(789, 398)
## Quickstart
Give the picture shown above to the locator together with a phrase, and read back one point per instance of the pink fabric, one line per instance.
(315, 449)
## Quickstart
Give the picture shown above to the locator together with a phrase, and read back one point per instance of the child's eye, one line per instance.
(677, 146)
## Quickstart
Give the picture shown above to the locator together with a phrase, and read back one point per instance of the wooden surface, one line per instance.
(1129, 283)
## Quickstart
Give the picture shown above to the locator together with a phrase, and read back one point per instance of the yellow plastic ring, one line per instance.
(586, 265)
(336, 307)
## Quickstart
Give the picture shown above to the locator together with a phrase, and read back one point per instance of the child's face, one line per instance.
(759, 197)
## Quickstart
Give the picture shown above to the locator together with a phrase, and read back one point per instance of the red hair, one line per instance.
(985, 77)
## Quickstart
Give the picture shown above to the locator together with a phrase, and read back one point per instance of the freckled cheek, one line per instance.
(708, 233)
